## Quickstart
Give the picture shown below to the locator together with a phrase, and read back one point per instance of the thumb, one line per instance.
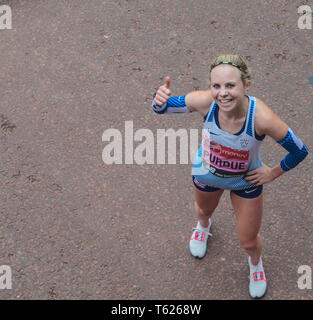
(167, 82)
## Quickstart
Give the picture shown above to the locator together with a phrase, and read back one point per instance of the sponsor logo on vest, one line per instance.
(244, 143)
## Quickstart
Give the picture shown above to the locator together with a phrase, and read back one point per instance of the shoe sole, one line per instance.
(197, 257)
(256, 298)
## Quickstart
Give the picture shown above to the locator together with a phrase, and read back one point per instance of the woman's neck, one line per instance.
(238, 113)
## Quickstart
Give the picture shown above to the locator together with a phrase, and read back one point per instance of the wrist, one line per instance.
(277, 171)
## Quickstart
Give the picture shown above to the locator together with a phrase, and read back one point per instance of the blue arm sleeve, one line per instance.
(297, 150)
(173, 105)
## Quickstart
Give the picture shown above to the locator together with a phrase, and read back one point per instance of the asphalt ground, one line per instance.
(73, 227)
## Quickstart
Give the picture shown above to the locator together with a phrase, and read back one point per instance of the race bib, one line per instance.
(206, 150)
(226, 162)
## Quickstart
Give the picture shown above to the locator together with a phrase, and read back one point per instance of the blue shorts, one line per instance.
(249, 193)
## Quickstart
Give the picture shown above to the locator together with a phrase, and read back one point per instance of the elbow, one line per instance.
(303, 153)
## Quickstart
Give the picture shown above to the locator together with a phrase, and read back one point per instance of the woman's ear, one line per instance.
(248, 85)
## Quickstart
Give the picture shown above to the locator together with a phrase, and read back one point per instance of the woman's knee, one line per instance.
(205, 210)
(249, 243)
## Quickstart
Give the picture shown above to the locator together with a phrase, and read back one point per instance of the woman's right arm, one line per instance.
(196, 101)
(199, 101)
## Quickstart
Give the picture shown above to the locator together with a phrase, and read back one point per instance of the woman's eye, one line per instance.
(229, 85)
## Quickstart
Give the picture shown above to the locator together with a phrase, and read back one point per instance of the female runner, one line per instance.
(235, 125)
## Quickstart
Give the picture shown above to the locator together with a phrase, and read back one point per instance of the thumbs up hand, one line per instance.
(163, 93)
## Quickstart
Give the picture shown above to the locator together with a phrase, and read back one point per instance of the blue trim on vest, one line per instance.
(215, 106)
(250, 118)
(211, 109)
(214, 112)
(259, 137)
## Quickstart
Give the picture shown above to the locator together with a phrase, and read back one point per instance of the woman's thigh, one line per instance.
(248, 214)
(207, 201)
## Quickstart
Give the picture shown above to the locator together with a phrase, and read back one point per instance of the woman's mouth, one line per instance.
(225, 101)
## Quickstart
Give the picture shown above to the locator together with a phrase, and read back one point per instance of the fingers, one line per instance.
(256, 179)
(163, 93)
(252, 178)
(165, 89)
(259, 176)
(161, 98)
(167, 82)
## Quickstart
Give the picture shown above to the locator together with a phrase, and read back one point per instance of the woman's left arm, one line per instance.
(267, 122)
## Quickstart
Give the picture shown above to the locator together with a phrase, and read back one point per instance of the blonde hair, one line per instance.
(236, 61)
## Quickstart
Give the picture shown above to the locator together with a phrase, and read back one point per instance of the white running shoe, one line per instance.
(198, 240)
(258, 282)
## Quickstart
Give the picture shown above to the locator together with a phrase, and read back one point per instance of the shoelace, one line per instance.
(204, 231)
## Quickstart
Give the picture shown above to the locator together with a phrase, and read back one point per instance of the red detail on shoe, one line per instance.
(257, 276)
(199, 236)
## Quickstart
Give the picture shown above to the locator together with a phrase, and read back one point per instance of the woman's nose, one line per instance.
(223, 92)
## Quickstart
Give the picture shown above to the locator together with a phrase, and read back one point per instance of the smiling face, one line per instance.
(227, 87)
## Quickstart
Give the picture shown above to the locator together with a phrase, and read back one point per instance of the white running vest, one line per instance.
(231, 155)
